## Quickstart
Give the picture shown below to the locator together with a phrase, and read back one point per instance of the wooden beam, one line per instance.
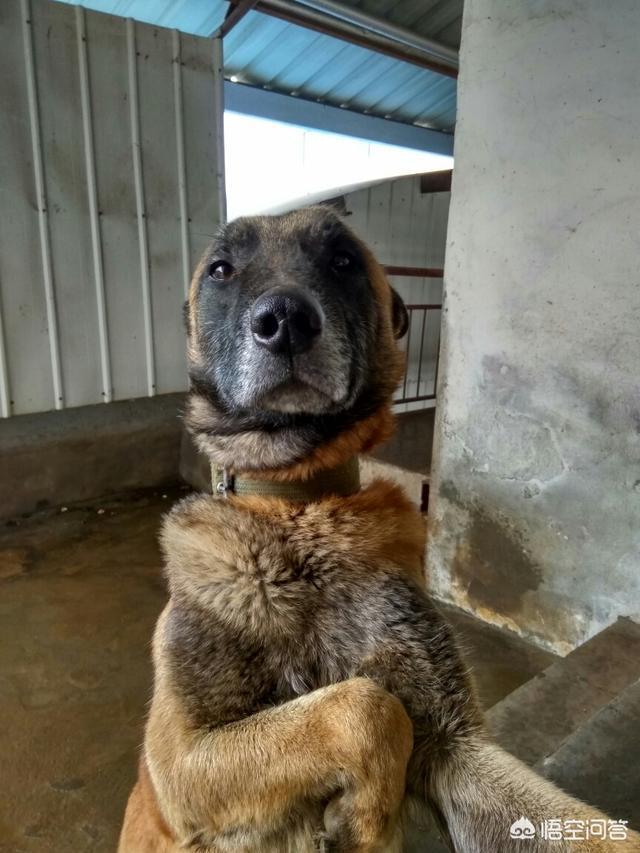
(436, 182)
(415, 272)
(235, 13)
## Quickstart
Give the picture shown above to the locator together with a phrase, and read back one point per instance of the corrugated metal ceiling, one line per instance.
(270, 53)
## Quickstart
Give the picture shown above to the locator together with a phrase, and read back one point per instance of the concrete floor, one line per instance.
(81, 590)
(411, 445)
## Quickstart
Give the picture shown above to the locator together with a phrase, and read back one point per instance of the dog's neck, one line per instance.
(341, 480)
(277, 457)
(330, 469)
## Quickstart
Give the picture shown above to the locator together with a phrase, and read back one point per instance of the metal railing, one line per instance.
(421, 372)
(422, 341)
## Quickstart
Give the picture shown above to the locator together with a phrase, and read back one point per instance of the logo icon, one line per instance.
(522, 828)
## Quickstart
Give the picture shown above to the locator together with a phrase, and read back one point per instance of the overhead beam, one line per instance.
(250, 100)
(419, 52)
(436, 182)
(416, 272)
(438, 52)
(235, 13)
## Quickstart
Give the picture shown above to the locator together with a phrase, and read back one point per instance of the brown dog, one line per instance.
(306, 689)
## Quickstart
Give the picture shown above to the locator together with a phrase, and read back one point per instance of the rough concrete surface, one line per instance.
(411, 481)
(124, 445)
(79, 595)
(600, 762)
(578, 722)
(411, 445)
(535, 495)
(535, 720)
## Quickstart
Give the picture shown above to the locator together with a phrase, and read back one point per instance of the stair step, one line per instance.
(600, 762)
(535, 720)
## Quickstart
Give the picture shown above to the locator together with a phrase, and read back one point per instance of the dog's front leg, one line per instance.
(476, 790)
(346, 745)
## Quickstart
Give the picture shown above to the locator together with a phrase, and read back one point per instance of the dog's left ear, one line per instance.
(399, 315)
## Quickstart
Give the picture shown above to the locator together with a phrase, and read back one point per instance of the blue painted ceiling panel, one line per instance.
(269, 53)
(199, 17)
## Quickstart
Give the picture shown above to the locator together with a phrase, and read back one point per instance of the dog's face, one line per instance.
(291, 330)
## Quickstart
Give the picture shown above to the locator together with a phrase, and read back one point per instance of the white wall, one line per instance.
(407, 228)
(536, 517)
(124, 353)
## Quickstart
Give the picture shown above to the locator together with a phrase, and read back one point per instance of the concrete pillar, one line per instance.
(535, 516)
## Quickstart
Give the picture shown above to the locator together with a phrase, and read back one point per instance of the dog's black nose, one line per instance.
(286, 319)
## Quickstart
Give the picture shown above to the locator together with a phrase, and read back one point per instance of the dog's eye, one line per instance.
(342, 261)
(220, 271)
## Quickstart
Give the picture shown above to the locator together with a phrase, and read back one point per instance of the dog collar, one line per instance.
(343, 480)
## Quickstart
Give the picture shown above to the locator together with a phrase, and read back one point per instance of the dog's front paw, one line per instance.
(357, 822)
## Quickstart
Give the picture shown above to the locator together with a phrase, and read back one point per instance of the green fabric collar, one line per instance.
(343, 480)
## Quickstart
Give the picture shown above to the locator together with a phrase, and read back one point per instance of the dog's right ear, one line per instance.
(185, 317)
(399, 315)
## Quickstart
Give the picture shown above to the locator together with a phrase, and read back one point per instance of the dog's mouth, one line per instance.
(295, 397)
(316, 382)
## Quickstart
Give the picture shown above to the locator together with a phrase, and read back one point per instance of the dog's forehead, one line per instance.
(312, 225)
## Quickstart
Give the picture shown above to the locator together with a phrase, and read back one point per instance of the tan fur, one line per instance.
(144, 829)
(380, 518)
(353, 728)
(489, 786)
(343, 760)
(352, 734)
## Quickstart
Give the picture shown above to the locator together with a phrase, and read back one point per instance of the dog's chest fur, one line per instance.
(270, 601)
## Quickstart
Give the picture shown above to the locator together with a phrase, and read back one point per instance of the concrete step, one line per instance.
(127, 445)
(578, 723)
(535, 720)
(600, 762)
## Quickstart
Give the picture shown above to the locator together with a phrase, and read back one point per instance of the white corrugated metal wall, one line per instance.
(108, 195)
(408, 228)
